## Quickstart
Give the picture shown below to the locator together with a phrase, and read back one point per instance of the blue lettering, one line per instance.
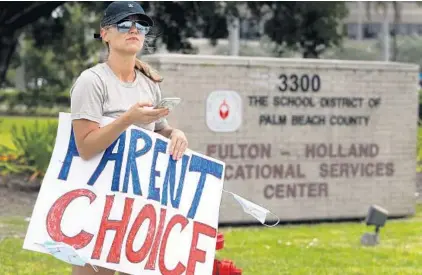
(204, 166)
(110, 156)
(72, 151)
(131, 167)
(170, 179)
(154, 192)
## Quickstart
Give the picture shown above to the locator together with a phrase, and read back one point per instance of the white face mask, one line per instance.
(256, 211)
(65, 253)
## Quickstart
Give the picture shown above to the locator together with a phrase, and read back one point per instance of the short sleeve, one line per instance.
(87, 97)
(161, 123)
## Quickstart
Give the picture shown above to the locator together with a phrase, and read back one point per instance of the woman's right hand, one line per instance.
(142, 113)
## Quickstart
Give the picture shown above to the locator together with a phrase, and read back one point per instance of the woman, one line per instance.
(123, 88)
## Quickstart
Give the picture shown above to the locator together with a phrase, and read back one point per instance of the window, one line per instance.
(352, 30)
(371, 30)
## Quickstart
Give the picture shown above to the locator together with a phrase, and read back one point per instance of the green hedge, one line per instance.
(15, 102)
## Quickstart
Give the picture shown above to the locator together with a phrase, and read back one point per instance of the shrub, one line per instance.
(34, 145)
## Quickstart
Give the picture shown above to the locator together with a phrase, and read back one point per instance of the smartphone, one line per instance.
(168, 102)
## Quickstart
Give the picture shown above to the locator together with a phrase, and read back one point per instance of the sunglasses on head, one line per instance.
(125, 26)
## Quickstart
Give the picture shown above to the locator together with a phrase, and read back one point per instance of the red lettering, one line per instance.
(55, 216)
(147, 212)
(180, 268)
(119, 226)
(197, 255)
(155, 243)
(153, 254)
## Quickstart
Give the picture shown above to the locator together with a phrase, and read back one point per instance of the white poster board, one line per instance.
(132, 208)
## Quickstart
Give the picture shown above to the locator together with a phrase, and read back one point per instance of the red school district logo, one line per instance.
(224, 111)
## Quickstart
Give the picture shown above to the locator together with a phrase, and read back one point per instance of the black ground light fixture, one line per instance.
(377, 216)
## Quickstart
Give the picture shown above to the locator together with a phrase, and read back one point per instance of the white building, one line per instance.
(410, 22)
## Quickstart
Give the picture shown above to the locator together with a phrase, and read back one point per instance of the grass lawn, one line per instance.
(6, 123)
(331, 248)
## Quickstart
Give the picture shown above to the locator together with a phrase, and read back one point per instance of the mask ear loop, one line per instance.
(94, 267)
(278, 219)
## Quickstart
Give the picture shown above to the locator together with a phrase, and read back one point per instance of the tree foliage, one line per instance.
(309, 27)
(58, 42)
(54, 51)
(14, 16)
(177, 21)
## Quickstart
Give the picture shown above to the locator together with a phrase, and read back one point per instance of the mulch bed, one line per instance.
(18, 195)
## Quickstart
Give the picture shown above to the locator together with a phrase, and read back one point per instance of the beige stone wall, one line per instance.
(354, 155)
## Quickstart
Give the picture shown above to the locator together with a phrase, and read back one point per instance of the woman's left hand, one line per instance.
(178, 145)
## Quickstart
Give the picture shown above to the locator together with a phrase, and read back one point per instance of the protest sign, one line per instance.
(131, 208)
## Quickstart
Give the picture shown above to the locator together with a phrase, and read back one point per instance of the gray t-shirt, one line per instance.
(98, 92)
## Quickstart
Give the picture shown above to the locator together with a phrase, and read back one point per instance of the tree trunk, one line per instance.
(309, 50)
(310, 53)
(233, 25)
(396, 10)
(8, 42)
(359, 35)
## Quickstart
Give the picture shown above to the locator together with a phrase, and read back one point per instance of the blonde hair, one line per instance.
(148, 71)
